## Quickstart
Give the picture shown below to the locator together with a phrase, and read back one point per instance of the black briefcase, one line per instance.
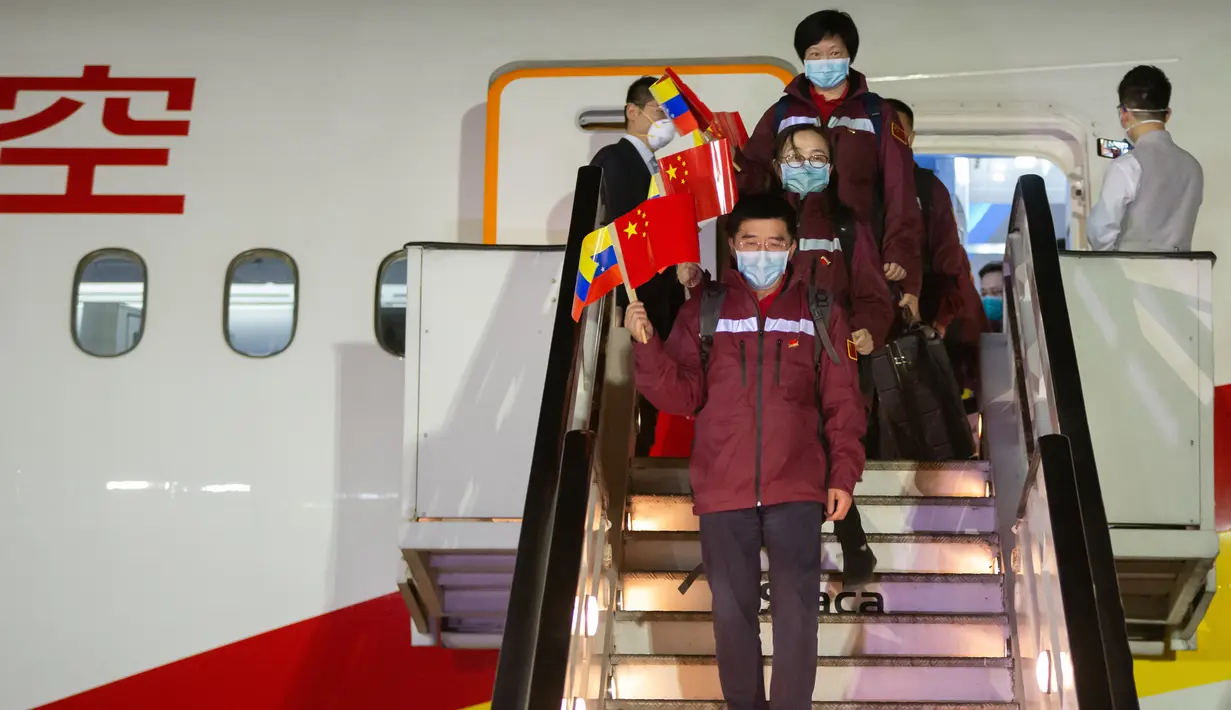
(921, 413)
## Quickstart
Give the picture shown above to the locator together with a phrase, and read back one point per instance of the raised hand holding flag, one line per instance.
(660, 233)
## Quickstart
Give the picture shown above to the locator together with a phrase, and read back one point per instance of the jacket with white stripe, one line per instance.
(846, 263)
(763, 404)
(862, 165)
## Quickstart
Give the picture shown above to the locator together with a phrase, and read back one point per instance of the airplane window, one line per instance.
(109, 302)
(982, 187)
(261, 309)
(391, 304)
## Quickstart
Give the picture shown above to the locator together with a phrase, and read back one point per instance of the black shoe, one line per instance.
(857, 569)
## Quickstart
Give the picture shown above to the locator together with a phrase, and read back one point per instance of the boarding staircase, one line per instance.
(930, 631)
(997, 585)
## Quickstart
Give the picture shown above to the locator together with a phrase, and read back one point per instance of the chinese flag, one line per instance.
(706, 173)
(661, 232)
(729, 125)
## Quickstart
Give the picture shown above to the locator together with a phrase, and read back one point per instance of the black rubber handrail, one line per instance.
(1107, 621)
(518, 678)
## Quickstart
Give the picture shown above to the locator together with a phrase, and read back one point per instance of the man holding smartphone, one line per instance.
(1152, 193)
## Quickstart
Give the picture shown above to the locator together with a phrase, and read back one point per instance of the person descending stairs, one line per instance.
(930, 631)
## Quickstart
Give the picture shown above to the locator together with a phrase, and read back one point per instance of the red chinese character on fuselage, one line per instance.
(79, 197)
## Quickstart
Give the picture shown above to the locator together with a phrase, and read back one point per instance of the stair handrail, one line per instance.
(524, 676)
(1088, 566)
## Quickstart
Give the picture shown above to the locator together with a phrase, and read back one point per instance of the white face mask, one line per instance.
(661, 133)
(1129, 128)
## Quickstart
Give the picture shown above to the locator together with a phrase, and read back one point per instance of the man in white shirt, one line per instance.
(1152, 193)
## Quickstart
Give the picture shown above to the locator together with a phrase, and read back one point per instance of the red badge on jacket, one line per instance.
(825, 260)
(899, 132)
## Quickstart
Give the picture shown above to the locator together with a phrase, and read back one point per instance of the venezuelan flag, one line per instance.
(668, 96)
(598, 271)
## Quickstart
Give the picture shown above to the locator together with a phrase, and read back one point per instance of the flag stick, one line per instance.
(632, 292)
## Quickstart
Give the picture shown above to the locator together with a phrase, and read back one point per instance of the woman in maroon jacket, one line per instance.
(834, 245)
(838, 252)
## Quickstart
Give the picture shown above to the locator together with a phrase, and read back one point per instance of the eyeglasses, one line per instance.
(818, 161)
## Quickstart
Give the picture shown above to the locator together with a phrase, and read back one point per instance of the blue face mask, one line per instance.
(761, 269)
(805, 179)
(993, 306)
(826, 74)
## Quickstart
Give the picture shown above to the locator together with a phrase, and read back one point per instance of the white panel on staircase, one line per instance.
(939, 594)
(477, 345)
(652, 678)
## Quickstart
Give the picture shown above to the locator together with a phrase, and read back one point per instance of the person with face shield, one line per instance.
(766, 361)
(873, 167)
(628, 166)
(1152, 193)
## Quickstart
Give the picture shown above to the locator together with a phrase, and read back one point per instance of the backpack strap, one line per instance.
(872, 106)
(922, 183)
(923, 191)
(712, 296)
(780, 113)
(819, 305)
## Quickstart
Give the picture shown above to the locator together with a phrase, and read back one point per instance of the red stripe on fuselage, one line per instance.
(354, 658)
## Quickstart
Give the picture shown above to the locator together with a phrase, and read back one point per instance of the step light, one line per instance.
(1043, 673)
(591, 616)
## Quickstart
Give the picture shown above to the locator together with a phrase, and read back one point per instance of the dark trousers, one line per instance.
(731, 551)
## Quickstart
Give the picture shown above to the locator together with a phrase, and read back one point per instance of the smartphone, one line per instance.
(1109, 148)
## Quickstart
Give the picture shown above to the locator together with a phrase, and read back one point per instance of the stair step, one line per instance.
(968, 479)
(860, 678)
(841, 634)
(833, 705)
(880, 514)
(916, 593)
(902, 552)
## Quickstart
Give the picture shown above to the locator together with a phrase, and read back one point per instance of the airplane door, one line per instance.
(535, 142)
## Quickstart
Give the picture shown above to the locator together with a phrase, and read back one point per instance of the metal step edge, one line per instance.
(827, 661)
(851, 618)
(921, 538)
(896, 501)
(870, 466)
(826, 705)
(904, 577)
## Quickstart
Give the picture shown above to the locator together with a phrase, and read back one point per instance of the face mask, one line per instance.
(826, 74)
(805, 179)
(993, 306)
(761, 269)
(661, 133)
(1128, 127)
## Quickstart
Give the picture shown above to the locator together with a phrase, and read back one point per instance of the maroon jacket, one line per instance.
(757, 436)
(850, 271)
(858, 167)
(949, 295)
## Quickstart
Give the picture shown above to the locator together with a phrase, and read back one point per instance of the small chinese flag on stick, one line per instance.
(706, 173)
(661, 232)
(658, 234)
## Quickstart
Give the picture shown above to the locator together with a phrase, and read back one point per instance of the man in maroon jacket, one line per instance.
(777, 448)
(948, 299)
(873, 165)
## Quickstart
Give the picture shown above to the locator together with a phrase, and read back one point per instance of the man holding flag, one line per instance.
(777, 448)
